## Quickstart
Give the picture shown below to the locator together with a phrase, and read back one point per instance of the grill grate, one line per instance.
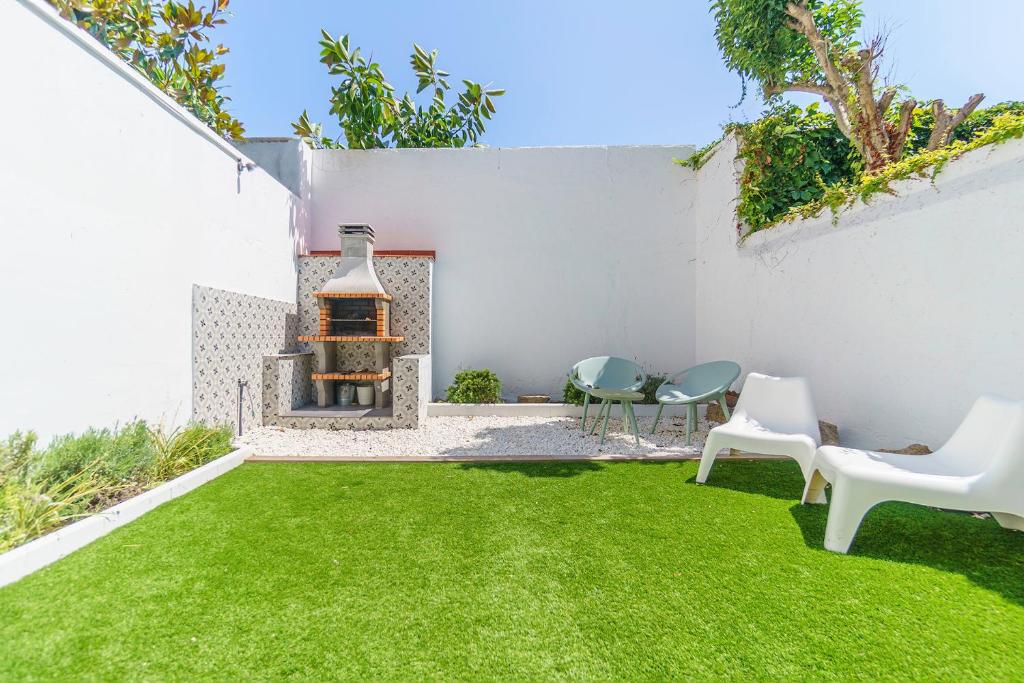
(352, 317)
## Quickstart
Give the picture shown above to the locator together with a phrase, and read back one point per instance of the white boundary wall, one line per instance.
(900, 315)
(545, 256)
(114, 202)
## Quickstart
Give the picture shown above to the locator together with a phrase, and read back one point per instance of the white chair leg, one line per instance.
(1008, 521)
(849, 505)
(814, 490)
(707, 458)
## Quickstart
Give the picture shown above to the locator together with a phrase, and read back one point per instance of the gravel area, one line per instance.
(476, 436)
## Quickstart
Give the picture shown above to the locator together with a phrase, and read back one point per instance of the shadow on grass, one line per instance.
(779, 479)
(956, 542)
(555, 469)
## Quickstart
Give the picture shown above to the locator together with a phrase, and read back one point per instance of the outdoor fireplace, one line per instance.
(354, 309)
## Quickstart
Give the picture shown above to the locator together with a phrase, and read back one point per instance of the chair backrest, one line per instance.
(779, 404)
(609, 372)
(990, 440)
(705, 378)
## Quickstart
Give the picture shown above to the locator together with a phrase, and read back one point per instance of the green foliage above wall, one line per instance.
(1004, 127)
(372, 117)
(169, 43)
(790, 156)
(796, 162)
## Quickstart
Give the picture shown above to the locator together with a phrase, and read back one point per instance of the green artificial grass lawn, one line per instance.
(524, 571)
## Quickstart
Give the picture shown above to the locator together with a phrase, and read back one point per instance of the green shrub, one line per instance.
(475, 386)
(16, 455)
(789, 157)
(185, 449)
(121, 455)
(29, 509)
(570, 394)
(651, 386)
(75, 475)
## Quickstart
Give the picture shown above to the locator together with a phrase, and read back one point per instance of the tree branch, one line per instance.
(885, 100)
(803, 21)
(941, 122)
(874, 132)
(946, 123)
(798, 86)
(899, 139)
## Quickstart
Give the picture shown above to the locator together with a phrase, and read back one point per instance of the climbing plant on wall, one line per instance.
(169, 43)
(796, 163)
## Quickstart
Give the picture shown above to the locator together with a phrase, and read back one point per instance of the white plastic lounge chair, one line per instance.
(774, 416)
(981, 467)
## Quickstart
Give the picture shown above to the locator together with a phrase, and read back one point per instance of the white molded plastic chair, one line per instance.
(981, 467)
(774, 416)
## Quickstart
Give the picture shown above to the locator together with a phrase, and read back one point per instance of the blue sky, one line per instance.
(588, 72)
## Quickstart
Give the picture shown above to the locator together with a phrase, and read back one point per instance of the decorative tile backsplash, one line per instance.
(231, 333)
(407, 279)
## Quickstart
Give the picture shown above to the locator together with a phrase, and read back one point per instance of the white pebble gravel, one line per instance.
(479, 436)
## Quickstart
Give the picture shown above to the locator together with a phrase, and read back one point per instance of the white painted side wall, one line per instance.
(901, 315)
(111, 208)
(545, 256)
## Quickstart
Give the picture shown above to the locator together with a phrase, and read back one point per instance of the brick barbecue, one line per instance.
(354, 308)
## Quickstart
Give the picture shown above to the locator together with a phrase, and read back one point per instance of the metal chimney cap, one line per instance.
(355, 229)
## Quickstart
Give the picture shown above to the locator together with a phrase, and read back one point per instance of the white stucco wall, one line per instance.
(900, 315)
(545, 256)
(112, 207)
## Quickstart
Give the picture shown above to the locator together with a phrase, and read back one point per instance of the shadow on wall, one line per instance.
(287, 160)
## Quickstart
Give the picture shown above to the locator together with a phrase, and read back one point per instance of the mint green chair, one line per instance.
(609, 379)
(705, 383)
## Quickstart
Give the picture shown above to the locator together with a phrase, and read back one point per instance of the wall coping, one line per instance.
(384, 253)
(85, 41)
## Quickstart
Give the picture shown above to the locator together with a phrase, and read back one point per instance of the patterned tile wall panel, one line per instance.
(286, 383)
(412, 373)
(231, 332)
(407, 279)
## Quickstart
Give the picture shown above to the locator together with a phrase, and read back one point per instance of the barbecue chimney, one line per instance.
(355, 273)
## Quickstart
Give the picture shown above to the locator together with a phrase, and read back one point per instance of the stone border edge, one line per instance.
(19, 562)
(540, 410)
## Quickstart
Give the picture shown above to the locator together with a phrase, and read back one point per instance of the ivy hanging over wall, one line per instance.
(797, 163)
(929, 163)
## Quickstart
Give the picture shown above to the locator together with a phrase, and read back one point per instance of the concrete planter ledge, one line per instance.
(539, 410)
(599, 457)
(34, 555)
